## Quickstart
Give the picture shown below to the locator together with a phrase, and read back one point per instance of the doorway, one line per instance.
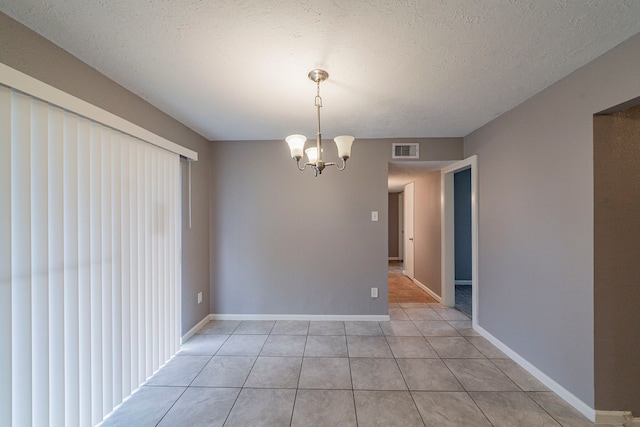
(449, 231)
(462, 240)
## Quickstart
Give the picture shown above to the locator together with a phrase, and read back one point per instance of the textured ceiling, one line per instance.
(237, 70)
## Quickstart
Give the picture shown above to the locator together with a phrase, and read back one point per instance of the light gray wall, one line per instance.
(535, 166)
(427, 220)
(617, 270)
(393, 225)
(462, 228)
(284, 242)
(31, 54)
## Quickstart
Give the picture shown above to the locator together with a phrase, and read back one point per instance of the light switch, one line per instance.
(374, 292)
(374, 215)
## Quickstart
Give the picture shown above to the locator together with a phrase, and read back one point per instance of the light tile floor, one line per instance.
(426, 367)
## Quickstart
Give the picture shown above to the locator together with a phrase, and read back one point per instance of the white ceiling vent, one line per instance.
(406, 151)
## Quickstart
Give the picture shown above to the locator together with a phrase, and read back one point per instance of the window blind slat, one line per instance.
(39, 262)
(71, 299)
(85, 403)
(117, 311)
(154, 303)
(134, 272)
(56, 268)
(95, 217)
(5, 257)
(21, 345)
(125, 243)
(147, 295)
(107, 270)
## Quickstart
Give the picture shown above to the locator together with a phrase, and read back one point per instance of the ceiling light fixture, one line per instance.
(314, 154)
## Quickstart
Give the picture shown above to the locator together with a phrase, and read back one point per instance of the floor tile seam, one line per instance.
(216, 387)
(295, 396)
(249, 373)
(530, 398)
(454, 375)
(235, 401)
(201, 369)
(353, 395)
(541, 407)
(480, 409)
(397, 365)
(325, 389)
(482, 355)
(304, 351)
(380, 389)
(172, 405)
(266, 388)
(507, 375)
(477, 348)
(162, 385)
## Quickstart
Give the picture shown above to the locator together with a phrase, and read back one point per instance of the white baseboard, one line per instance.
(195, 329)
(341, 317)
(617, 418)
(462, 282)
(569, 397)
(429, 291)
(394, 258)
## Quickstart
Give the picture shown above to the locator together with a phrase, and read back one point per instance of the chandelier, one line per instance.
(314, 154)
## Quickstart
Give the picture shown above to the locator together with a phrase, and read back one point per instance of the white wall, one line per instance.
(535, 167)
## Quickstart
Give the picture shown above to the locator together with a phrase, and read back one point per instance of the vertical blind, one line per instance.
(89, 263)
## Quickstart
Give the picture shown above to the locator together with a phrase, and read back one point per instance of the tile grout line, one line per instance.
(415, 405)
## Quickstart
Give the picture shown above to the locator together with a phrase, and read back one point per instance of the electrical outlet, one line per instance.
(374, 292)
(199, 297)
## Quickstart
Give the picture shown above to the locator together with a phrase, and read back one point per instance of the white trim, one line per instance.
(447, 241)
(617, 418)
(394, 258)
(342, 317)
(565, 394)
(195, 329)
(19, 81)
(401, 226)
(429, 291)
(463, 282)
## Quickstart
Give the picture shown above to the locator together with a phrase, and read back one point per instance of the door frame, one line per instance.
(409, 241)
(401, 226)
(448, 235)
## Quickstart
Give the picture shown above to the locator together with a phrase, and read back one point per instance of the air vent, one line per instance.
(406, 151)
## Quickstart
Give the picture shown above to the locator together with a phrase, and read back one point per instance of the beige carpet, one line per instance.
(402, 289)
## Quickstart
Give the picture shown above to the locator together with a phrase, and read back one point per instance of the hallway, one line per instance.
(402, 289)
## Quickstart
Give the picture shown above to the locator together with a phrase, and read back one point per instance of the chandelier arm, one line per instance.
(298, 165)
(340, 168)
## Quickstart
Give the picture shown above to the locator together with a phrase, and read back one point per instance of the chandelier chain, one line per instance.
(318, 97)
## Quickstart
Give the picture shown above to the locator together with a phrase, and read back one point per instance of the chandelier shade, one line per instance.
(314, 154)
(296, 145)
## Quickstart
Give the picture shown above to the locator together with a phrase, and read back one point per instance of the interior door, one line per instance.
(408, 230)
